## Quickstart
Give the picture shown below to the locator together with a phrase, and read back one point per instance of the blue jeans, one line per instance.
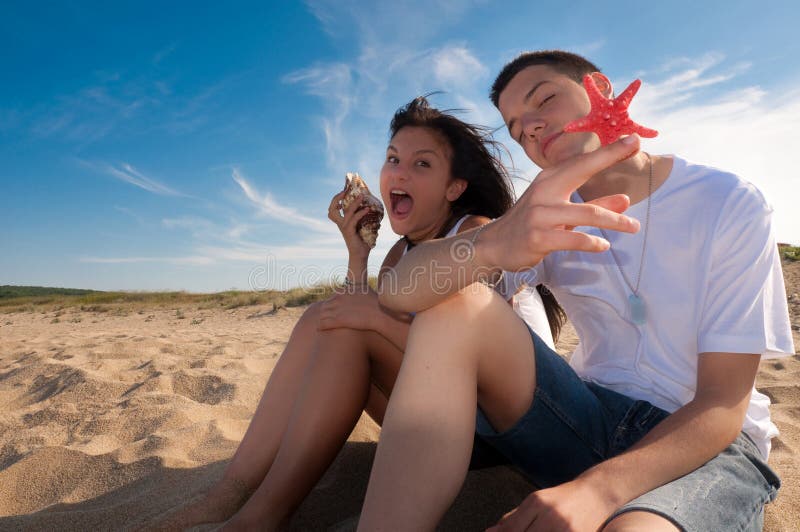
(572, 425)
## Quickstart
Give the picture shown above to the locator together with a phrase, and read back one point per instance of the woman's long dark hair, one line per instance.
(475, 158)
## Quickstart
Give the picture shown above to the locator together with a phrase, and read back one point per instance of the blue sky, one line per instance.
(196, 146)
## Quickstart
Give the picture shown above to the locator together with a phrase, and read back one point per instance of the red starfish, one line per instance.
(609, 118)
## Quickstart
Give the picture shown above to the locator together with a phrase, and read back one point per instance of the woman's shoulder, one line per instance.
(395, 253)
(472, 221)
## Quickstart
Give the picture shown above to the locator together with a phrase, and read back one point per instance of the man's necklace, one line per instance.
(636, 305)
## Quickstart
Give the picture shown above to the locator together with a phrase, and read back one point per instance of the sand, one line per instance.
(107, 420)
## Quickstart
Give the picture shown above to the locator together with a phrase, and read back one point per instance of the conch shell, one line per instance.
(368, 226)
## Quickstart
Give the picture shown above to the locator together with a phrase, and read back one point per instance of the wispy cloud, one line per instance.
(94, 111)
(197, 260)
(130, 212)
(456, 66)
(388, 22)
(127, 173)
(333, 83)
(164, 53)
(112, 103)
(269, 207)
(587, 49)
(685, 80)
(302, 253)
(187, 222)
(299, 252)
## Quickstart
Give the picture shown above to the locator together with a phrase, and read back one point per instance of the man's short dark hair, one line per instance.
(567, 63)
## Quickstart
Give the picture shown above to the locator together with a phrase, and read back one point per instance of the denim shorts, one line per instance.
(572, 425)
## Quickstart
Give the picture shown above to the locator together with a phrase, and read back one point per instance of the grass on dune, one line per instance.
(31, 299)
(791, 253)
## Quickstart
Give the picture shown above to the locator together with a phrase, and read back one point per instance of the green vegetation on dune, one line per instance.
(790, 252)
(33, 298)
(8, 292)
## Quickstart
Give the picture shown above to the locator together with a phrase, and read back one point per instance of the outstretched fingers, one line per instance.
(615, 202)
(566, 240)
(570, 215)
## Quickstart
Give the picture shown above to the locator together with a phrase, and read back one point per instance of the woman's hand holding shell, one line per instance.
(347, 222)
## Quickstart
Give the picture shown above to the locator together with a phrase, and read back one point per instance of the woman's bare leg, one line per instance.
(335, 391)
(258, 448)
(470, 349)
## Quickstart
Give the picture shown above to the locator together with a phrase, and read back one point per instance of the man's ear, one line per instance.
(603, 84)
(455, 189)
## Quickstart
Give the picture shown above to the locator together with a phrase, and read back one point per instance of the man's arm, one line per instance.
(684, 441)
(690, 437)
(539, 223)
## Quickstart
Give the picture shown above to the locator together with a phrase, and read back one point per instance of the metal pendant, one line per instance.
(637, 309)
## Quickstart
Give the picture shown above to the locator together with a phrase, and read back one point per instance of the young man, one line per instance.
(655, 423)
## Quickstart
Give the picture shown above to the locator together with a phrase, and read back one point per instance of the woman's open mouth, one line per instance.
(401, 203)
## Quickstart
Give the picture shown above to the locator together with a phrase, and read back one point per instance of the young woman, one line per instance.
(440, 177)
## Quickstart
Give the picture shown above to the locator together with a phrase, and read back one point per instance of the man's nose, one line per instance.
(532, 126)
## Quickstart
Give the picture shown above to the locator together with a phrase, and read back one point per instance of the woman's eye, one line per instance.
(423, 163)
(391, 159)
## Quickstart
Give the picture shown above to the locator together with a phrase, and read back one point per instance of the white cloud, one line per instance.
(334, 84)
(127, 173)
(683, 85)
(289, 215)
(193, 259)
(238, 230)
(587, 49)
(387, 21)
(161, 54)
(298, 252)
(456, 66)
(186, 222)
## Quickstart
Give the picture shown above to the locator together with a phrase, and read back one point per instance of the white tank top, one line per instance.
(527, 303)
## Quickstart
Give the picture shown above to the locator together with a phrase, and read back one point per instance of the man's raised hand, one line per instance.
(543, 219)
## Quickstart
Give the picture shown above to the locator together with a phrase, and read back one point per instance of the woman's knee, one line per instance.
(308, 323)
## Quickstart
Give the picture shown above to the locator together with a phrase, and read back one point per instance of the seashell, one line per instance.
(368, 226)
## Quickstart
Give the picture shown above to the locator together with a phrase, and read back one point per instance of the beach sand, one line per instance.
(109, 419)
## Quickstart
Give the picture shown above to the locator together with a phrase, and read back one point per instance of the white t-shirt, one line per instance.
(529, 306)
(527, 303)
(711, 282)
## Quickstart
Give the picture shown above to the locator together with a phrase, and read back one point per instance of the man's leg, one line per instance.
(638, 521)
(726, 493)
(470, 349)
